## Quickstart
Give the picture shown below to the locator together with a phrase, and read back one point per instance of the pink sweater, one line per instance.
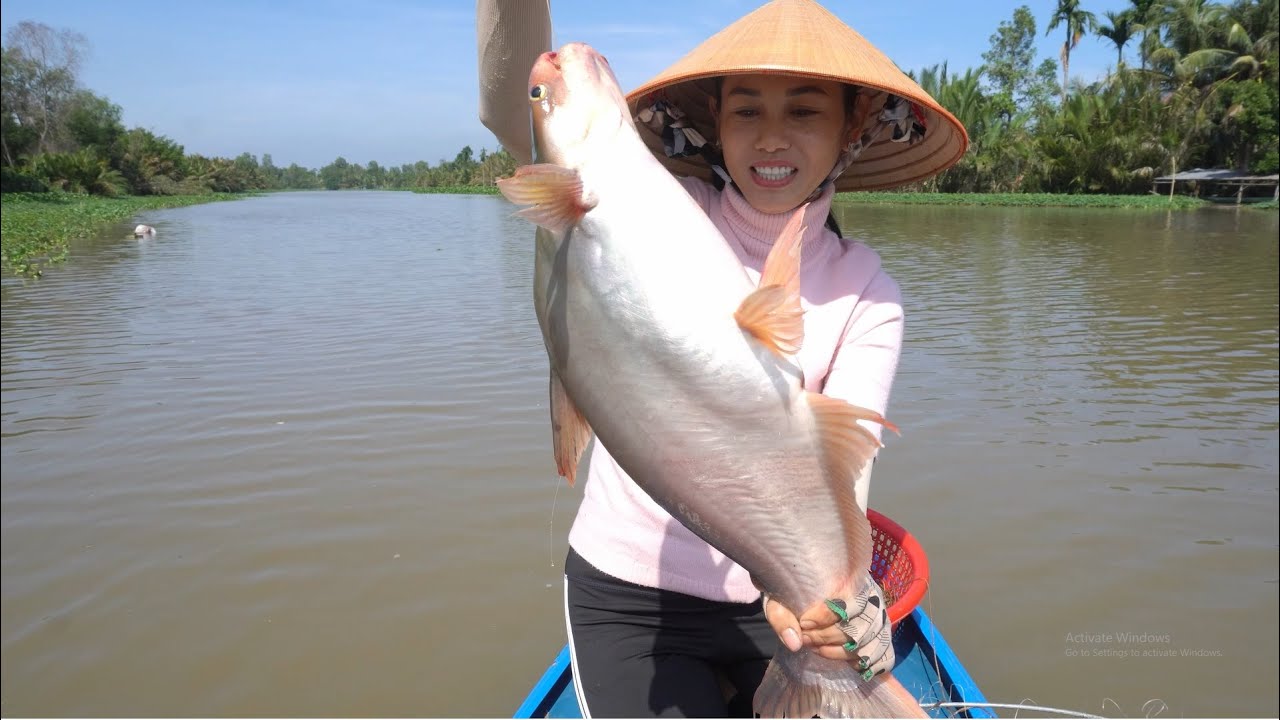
(852, 337)
(852, 325)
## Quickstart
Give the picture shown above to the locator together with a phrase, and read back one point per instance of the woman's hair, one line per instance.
(850, 97)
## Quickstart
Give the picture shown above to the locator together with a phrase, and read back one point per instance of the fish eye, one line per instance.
(538, 92)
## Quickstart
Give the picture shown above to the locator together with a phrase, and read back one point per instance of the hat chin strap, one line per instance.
(904, 119)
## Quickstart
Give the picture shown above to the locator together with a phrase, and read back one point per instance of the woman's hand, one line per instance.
(864, 638)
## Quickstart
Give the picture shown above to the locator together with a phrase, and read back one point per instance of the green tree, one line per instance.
(1248, 130)
(1120, 29)
(1252, 36)
(79, 172)
(297, 177)
(272, 176)
(1188, 25)
(1142, 21)
(18, 136)
(1008, 61)
(94, 121)
(1078, 22)
(335, 175)
(41, 68)
(493, 166)
(152, 164)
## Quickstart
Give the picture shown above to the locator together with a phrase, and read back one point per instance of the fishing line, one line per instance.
(933, 641)
(1008, 706)
(937, 666)
(551, 525)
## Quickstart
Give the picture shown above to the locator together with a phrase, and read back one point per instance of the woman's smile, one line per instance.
(773, 174)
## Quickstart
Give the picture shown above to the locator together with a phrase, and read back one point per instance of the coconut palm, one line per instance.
(1189, 25)
(1186, 84)
(1141, 12)
(1078, 22)
(1252, 36)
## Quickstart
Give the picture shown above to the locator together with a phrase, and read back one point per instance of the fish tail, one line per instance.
(804, 684)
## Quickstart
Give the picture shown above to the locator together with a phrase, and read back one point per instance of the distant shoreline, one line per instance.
(1157, 202)
(37, 227)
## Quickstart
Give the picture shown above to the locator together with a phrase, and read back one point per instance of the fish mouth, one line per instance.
(773, 174)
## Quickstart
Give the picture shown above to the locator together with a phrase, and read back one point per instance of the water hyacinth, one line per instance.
(37, 227)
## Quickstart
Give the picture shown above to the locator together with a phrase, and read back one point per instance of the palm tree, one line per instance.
(1120, 31)
(1142, 20)
(1189, 25)
(1187, 83)
(1078, 23)
(1252, 35)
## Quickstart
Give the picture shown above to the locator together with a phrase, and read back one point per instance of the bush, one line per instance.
(15, 180)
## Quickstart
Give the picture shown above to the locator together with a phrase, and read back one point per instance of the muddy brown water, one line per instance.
(291, 457)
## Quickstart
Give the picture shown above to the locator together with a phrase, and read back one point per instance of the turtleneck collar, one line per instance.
(756, 231)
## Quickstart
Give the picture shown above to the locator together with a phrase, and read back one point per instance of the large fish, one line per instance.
(684, 368)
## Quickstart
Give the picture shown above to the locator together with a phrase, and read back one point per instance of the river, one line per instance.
(291, 457)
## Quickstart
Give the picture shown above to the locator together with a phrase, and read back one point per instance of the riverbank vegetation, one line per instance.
(37, 227)
(1022, 200)
(1194, 85)
(1178, 202)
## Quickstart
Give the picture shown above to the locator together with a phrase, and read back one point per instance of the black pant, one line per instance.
(643, 652)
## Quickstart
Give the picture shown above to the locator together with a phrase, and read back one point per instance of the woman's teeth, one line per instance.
(774, 173)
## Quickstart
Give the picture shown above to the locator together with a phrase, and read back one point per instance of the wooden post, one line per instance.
(1240, 194)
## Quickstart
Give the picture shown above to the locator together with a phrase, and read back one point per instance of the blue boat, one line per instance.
(926, 666)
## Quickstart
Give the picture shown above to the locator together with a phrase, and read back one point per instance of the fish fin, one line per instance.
(570, 432)
(553, 193)
(768, 316)
(804, 684)
(846, 448)
(772, 314)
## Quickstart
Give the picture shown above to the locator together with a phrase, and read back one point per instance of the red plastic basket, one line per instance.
(899, 564)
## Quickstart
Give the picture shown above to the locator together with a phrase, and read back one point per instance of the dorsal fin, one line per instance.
(772, 313)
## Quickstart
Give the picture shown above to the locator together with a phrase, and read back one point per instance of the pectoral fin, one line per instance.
(772, 314)
(554, 194)
(570, 432)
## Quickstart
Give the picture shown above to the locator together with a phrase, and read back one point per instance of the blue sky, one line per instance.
(395, 80)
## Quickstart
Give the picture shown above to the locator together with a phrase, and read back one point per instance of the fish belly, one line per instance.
(714, 427)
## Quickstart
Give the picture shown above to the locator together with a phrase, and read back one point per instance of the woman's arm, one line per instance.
(861, 373)
(866, 361)
(510, 35)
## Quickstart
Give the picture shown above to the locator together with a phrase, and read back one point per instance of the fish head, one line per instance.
(578, 107)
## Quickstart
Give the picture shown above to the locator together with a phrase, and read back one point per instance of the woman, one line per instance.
(659, 622)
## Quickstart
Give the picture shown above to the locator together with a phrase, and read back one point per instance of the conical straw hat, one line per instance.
(800, 37)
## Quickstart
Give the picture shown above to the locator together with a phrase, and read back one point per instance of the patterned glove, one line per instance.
(865, 621)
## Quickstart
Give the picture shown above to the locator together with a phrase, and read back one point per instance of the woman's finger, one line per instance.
(784, 623)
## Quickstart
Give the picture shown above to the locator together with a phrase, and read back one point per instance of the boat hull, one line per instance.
(926, 666)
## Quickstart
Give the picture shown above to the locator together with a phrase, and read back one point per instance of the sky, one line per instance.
(396, 80)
